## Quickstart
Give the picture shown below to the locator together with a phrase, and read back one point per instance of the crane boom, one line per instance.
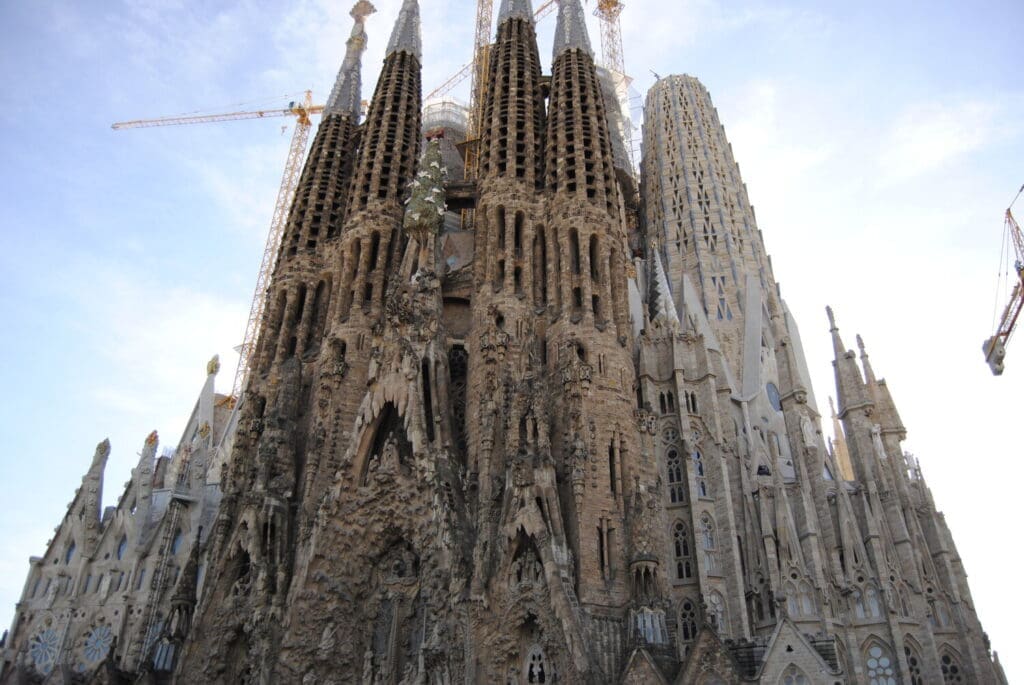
(297, 109)
(995, 347)
(302, 111)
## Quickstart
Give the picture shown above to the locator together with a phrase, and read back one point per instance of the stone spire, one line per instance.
(888, 416)
(869, 373)
(840, 450)
(515, 9)
(345, 96)
(662, 303)
(406, 35)
(850, 389)
(571, 30)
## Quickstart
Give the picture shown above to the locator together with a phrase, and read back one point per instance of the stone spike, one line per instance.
(515, 9)
(664, 304)
(571, 30)
(869, 373)
(406, 34)
(837, 341)
(345, 96)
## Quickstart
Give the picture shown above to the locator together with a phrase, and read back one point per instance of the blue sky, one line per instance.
(880, 142)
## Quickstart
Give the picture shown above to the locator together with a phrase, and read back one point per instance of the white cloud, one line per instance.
(929, 136)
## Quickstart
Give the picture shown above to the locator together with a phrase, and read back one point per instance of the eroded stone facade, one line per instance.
(572, 441)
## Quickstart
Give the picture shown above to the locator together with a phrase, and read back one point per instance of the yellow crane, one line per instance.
(995, 347)
(302, 111)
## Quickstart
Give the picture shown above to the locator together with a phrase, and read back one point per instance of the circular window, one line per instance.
(774, 397)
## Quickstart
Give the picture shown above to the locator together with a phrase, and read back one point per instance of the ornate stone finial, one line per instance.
(344, 98)
(831, 318)
(571, 29)
(860, 346)
(152, 439)
(102, 451)
(213, 366)
(406, 34)
(205, 430)
(515, 9)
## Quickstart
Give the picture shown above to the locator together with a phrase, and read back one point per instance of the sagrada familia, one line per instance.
(571, 441)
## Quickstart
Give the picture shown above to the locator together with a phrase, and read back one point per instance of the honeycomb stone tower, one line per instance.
(536, 426)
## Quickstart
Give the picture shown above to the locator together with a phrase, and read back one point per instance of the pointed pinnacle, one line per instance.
(571, 29)
(406, 35)
(515, 9)
(664, 304)
(345, 96)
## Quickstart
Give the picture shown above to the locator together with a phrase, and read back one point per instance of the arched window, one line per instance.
(716, 612)
(881, 667)
(873, 605)
(857, 599)
(941, 614)
(70, 554)
(792, 600)
(176, 543)
(122, 547)
(806, 599)
(951, 670)
(688, 621)
(698, 468)
(537, 668)
(676, 481)
(681, 545)
(707, 543)
(913, 664)
(793, 676)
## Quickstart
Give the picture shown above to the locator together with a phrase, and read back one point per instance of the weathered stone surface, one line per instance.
(563, 443)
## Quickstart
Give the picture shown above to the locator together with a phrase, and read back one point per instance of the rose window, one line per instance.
(98, 643)
(43, 650)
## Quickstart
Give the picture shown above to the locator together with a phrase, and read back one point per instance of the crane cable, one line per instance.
(1003, 274)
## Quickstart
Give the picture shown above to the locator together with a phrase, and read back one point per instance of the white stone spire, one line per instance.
(664, 305)
(406, 34)
(345, 96)
(571, 30)
(515, 9)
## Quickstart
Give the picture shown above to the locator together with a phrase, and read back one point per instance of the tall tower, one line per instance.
(507, 454)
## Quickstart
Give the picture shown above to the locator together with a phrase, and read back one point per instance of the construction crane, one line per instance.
(302, 111)
(484, 25)
(613, 59)
(995, 347)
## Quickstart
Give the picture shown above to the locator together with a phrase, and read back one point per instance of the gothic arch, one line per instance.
(880, 665)
(915, 664)
(386, 431)
(951, 665)
(794, 675)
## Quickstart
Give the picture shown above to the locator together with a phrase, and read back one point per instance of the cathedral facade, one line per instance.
(541, 424)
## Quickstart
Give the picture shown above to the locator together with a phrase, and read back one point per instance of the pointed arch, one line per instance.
(676, 477)
(387, 431)
(879, 663)
(716, 612)
(793, 675)
(688, 620)
(681, 551)
(951, 665)
(912, 651)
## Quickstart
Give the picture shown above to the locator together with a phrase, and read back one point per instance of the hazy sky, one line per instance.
(880, 142)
